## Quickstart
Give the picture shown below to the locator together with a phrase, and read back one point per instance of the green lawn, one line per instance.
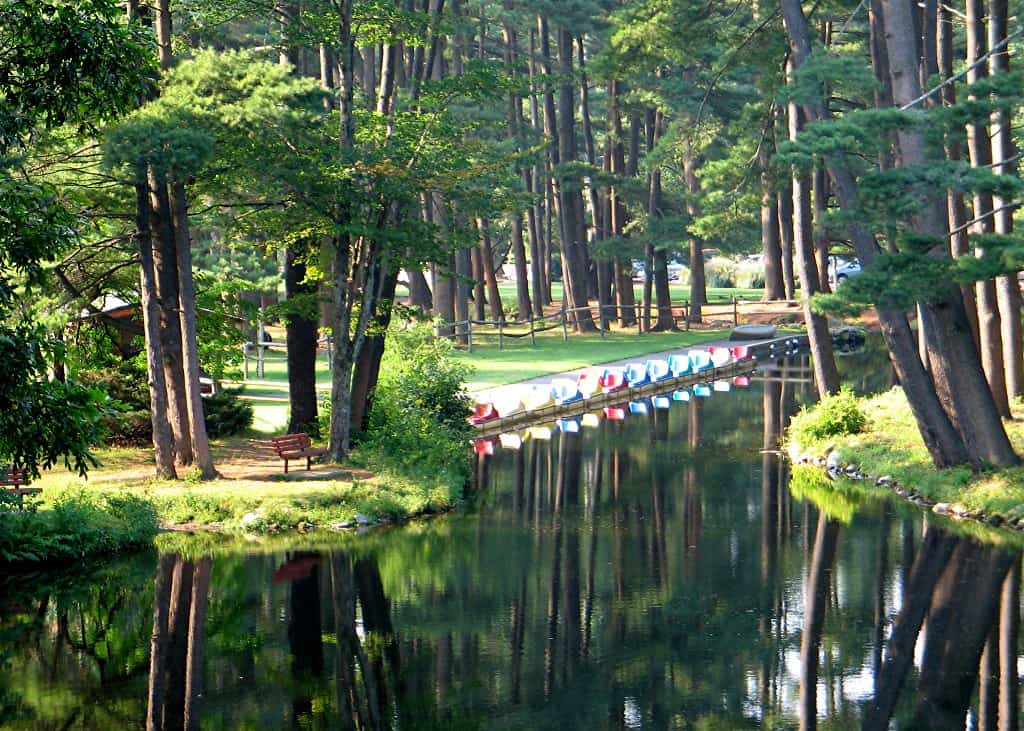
(519, 361)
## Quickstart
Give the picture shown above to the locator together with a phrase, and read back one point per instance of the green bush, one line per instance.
(834, 416)
(78, 524)
(720, 272)
(418, 416)
(227, 414)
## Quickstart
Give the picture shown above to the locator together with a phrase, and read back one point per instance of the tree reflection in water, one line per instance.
(654, 573)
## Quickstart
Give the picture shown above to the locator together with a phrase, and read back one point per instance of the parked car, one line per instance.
(841, 270)
(675, 271)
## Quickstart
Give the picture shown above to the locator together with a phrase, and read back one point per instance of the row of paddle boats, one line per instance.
(618, 412)
(593, 381)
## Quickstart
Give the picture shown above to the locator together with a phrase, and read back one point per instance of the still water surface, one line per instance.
(656, 573)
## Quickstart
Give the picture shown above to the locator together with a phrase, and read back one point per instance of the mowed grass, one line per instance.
(518, 360)
(891, 446)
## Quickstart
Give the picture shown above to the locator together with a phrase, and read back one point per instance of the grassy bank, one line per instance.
(889, 446)
(121, 506)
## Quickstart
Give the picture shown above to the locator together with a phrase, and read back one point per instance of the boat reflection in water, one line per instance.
(663, 570)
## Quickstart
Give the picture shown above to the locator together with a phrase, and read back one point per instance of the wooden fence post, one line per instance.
(501, 334)
(469, 334)
(565, 323)
(245, 361)
(735, 312)
(533, 332)
(260, 350)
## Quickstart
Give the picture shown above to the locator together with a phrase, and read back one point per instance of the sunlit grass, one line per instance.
(891, 445)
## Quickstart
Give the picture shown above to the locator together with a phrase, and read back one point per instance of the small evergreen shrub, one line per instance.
(227, 414)
(833, 416)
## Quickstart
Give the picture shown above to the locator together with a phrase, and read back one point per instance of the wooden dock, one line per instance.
(761, 352)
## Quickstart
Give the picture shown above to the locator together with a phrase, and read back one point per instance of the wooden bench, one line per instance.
(295, 446)
(15, 482)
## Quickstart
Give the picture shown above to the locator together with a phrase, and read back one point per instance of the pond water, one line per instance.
(654, 573)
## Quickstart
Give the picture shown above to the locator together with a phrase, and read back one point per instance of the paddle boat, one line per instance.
(639, 407)
(614, 413)
(702, 390)
(591, 420)
(678, 364)
(741, 352)
(510, 441)
(482, 413)
(540, 433)
(508, 403)
(484, 447)
(565, 391)
(741, 381)
(568, 426)
(613, 379)
(636, 374)
(661, 402)
(589, 383)
(700, 360)
(537, 397)
(720, 355)
(683, 394)
(657, 370)
(722, 386)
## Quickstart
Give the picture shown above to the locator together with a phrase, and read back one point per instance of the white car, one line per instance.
(841, 270)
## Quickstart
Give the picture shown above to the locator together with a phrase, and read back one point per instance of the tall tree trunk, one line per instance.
(166, 269)
(826, 375)
(189, 338)
(957, 213)
(820, 190)
(785, 207)
(490, 276)
(942, 440)
(980, 149)
(623, 274)
(662, 295)
(1007, 287)
(774, 285)
(698, 282)
(957, 371)
(574, 274)
(302, 317)
(163, 441)
(1009, 638)
(301, 338)
(196, 643)
(601, 266)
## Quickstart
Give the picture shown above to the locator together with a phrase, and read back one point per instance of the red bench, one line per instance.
(15, 482)
(295, 446)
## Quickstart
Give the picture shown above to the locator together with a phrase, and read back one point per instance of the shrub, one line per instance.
(78, 524)
(834, 416)
(227, 414)
(720, 272)
(418, 416)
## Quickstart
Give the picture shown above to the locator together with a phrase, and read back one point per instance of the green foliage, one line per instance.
(418, 415)
(834, 416)
(79, 524)
(226, 414)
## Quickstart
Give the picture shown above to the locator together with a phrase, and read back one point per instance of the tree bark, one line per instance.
(815, 598)
(957, 371)
(163, 440)
(166, 269)
(943, 441)
(1008, 292)
(189, 341)
(826, 375)
(785, 208)
(980, 149)
(490, 276)
(698, 282)
(774, 284)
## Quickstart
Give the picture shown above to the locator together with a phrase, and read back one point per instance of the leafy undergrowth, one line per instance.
(890, 445)
(73, 525)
